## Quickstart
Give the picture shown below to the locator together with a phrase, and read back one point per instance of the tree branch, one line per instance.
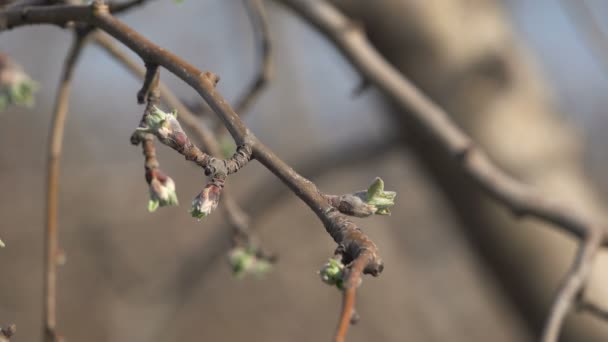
(259, 22)
(53, 163)
(353, 244)
(434, 121)
(237, 218)
(572, 286)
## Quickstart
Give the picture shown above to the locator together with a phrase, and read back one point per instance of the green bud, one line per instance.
(381, 200)
(332, 273)
(244, 261)
(16, 88)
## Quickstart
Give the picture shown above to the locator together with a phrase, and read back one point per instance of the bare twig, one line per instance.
(121, 7)
(259, 22)
(435, 122)
(593, 309)
(573, 285)
(265, 66)
(54, 154)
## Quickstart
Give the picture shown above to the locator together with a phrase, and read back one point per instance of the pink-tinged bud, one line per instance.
(162, 190)
(206, 201)
(16, 87)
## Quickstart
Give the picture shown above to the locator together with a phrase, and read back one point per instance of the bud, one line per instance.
(378, 198)
(162, 190)
(332, 273)
(16, 87)
(206, 201)
(2, 245)
(160, 124)
(245, 261)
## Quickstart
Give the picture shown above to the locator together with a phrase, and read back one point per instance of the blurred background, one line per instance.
(522, 77)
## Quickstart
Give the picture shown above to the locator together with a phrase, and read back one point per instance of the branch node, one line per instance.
(210, 77)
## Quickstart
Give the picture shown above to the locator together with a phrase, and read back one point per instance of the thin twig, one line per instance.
(573, 284)
(54, 155)
(121, 7)
(259, 22)
(256, 11)
(237, 218)
(593, 309)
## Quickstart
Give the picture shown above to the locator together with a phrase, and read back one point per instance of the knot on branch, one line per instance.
(210, 77)
(353, 244)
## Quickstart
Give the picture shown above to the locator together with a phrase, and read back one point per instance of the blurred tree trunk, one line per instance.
(463, 54)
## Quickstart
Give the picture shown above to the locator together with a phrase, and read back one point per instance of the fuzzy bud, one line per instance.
(162, 190)
(206, 201)
(163, 125)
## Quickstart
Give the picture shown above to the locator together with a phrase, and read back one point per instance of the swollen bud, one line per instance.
(332, 273)
(206, 201)
(160, 123)
(379, 199)
(162, 190)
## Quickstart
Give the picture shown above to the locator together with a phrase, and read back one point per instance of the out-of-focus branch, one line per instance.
(573, 285)
(435, 122)
(256, 11)
(120, 7)
(54, 156)
(259, 22)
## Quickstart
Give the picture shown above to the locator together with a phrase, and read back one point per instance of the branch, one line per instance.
(428, 117)
(237, 218)
(265, 68)
(54, 154)
(353, 244)
(259, 22)
(121, 7)
(572, 287)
